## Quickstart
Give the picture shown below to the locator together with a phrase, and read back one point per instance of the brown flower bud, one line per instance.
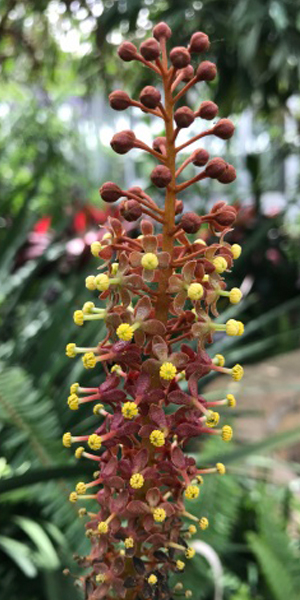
(119, 100)
(187, 73)
(123, 142)
(180, 57)
(228, 175)
(215, 167)
(208, 110)
(150, 49)
(150, 96)
(206, 71)
(130, 210)
(161, 176)
(127, 51)
(199, 42)
(162, 30)
(146, 227)
(222, 215)
(184, 117)
(158, 143)
(190, 222)
(136, 190)
(110, 192)
(200, 157)
(224, 129)
(178, 206)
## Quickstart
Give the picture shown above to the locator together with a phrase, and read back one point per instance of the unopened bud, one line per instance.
(190, 222)
(200, 157)
(136, 190)
(127, 51)
(206, 71)
(159, 143)
(223, 215)
(161, 176)
(180, 57)
(184, 117)
(178, 206)
(123, 142)
(119, 100)
(110, 192)
(187, 73)
(208, 110)
(130, 210)
(228, 175)
(162, 30)
(150, 96)
(199, 42)
(215, 167)
(224, 129)
(150, 49)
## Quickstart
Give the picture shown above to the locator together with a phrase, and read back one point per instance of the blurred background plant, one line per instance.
(57, 61)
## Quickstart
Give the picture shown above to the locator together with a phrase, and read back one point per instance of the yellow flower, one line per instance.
(67, 440)
(191, 492)
(236, 251)
(231, 400)
(74, 388)
(97, 408)
(129, 542)
(190, 552)
(78, 317)
(226, 433)
(167, 371)
(125, 332)
(96, 248)
(192, 529)
(195, 291)
(232, 327)
(221, 469)
(130, 410)
(71, 350)
(220, 360)
(159, 515)
(212, 418)
(180, 565)
(73, 497)
(89, 360)
(149, 261)
(220, 264)
(157, 438)
(203, 523)
(79, 452)
(152, 579)
(102, 282)
(235, 295)
(237, 372)
(80, 488)
(87, 308)
(94, 441)
(73, 402)
(90, 283)
(102, 527)
(136, 481)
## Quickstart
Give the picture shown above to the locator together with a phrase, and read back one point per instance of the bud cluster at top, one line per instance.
(158, 295)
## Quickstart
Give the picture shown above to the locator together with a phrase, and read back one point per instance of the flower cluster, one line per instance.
(158, 296)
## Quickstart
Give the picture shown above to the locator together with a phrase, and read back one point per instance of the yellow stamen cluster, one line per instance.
(130, 410)
(102, 282)
(89, 360)
(80, 488)
(125, 332)
(78, 317)
(100, 578)
(136, 481)
(67, 440)
(102, 527)
(203, 523)
(231, 400)
(167, 371)
(236, 251)
(220, 264)
(219, 359)
(82, 512)
(221, 469)
(195, 291)
(129, 542)
(90, 283)
(79, 452)
(159, 515)
(97, 408)
(190, 552)
(157, 438)
(88, 307)
(74, 388)
(71, 350)
(192, 529)
(94, 441)
(96, 248)
(232, 327)
(212, 418)
(227, 433)
(115, 369)
(73, 497)
(73, 402)
(191, 492)
(149, 261)
(237, 372)
(180, 565)
(152, 579)
(235, 295)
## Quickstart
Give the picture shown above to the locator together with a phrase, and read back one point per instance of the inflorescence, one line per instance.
(158, 297)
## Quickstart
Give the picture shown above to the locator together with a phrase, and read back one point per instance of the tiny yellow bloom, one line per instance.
(73, 402)
(167, 371)
(90, 283)
(180, 565)
(220, 264)
(74, 388)
(114, 268)
(192, 529)
(159, 515)
(236, 250)
(235, 295)
(192, 492)
(100, 578)
(200, 241)
(79, 452)
(152, 579)
(232, 327)
(102, 282)
(195, 291)
(67, 440)
(220, 360)
(71, 350)
(125, 332)
(97, 408)
(80, 488)
(227, 433)
(157, 438)
(95, 441)
(78, 317)
(129, 542)
(96, 248)
(237, 372)
(130, 410)
(89, 360)
(203, 523)
(212, 419)
(149, 261)
(87, 308)
(115, 369)
(102, 527)
(73, 497)
(221, 469)
(206, 277)
(231, 400)
(136, 481)
(190, 552)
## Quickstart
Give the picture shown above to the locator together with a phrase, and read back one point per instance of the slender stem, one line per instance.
(194, 139)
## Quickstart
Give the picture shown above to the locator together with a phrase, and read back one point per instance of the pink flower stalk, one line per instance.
(158, 295)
